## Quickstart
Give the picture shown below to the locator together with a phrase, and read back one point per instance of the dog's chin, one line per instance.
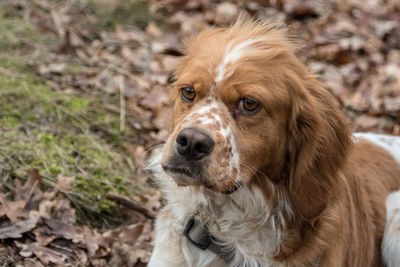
(182, 179)
(182, 174)
(226, 189)
(191, 175)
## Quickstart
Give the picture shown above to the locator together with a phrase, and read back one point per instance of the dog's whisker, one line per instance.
(254, 170)
(151, 149)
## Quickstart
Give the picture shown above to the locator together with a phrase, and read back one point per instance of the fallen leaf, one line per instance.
(63, 230)
(131, 233)
(226, 12)
(153, 30)
(16, 230)
(94, 242)
(58, 209)
(157, 97)
(24, 192)
(163, 120)
(63, 183)
(392, 104)
(2, 211)
(368, 123)
(45, 255)
(52, 68)
(14, 210)
(44, 235)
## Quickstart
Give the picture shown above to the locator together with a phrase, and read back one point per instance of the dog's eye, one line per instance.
(188, 94)
(248, 106)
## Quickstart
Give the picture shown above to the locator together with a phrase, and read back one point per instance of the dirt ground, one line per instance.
(84, 100)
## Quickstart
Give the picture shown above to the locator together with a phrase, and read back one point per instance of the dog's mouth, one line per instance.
(178, 169)
(184, 173)
(191, 175)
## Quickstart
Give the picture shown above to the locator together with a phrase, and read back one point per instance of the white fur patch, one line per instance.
(202, 113)
(243, 220)
(391, 239)
(388, 142)
(232, 55)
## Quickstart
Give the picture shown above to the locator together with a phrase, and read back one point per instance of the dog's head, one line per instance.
(246, 110)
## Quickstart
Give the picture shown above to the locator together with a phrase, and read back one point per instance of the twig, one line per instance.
(130, 203)
(60, 29)
(122, 71)
(122, 103)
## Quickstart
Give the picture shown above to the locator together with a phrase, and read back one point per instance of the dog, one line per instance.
(260, 168)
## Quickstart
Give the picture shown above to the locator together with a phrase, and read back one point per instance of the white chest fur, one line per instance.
(241, 220)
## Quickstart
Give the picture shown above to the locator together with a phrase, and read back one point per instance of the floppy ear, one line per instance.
(318, 142)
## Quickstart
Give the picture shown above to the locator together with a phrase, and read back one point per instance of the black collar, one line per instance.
(197, 233)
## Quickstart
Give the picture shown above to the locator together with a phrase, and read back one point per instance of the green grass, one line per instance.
(58, 133)
(53, 132)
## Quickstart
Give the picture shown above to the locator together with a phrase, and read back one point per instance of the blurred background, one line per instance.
(84, 100)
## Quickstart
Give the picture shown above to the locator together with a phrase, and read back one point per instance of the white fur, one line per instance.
(205, 109)
(391, 239)
(242, 220)
(235, 160)
(232, 55)
(388, 142)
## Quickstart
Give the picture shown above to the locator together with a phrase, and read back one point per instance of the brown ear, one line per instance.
(318, 142)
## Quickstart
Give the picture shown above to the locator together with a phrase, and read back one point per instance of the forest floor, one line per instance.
(84, 100)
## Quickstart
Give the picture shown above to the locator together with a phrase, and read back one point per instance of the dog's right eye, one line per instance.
(248, 106)
(188, 94)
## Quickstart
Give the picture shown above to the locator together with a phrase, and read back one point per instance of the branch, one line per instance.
(130, 203)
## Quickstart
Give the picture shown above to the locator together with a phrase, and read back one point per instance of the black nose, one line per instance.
(193, 144)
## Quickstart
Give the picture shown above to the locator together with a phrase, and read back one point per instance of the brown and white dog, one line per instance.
(261, 157)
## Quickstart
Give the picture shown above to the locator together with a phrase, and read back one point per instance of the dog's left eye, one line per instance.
(188, 94)
(248, 106)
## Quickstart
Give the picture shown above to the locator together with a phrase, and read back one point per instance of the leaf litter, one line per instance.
(46, 229)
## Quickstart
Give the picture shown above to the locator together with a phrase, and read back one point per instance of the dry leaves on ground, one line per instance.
(355, 48)
(38, 224)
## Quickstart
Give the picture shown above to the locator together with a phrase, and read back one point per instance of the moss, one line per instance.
(68, 134)
(18, 35)
(77, 105)
(10, 121)
(51, 132)
(14, 31)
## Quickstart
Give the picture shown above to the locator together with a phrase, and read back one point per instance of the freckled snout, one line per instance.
(193, 144)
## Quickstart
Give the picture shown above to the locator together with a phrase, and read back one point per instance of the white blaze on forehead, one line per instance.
(204, 109)
(232, 55)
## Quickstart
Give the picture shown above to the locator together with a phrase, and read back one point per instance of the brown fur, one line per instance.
(297, 144)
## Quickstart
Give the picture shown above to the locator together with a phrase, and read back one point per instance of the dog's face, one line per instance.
(247, 109)
(230, 110)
